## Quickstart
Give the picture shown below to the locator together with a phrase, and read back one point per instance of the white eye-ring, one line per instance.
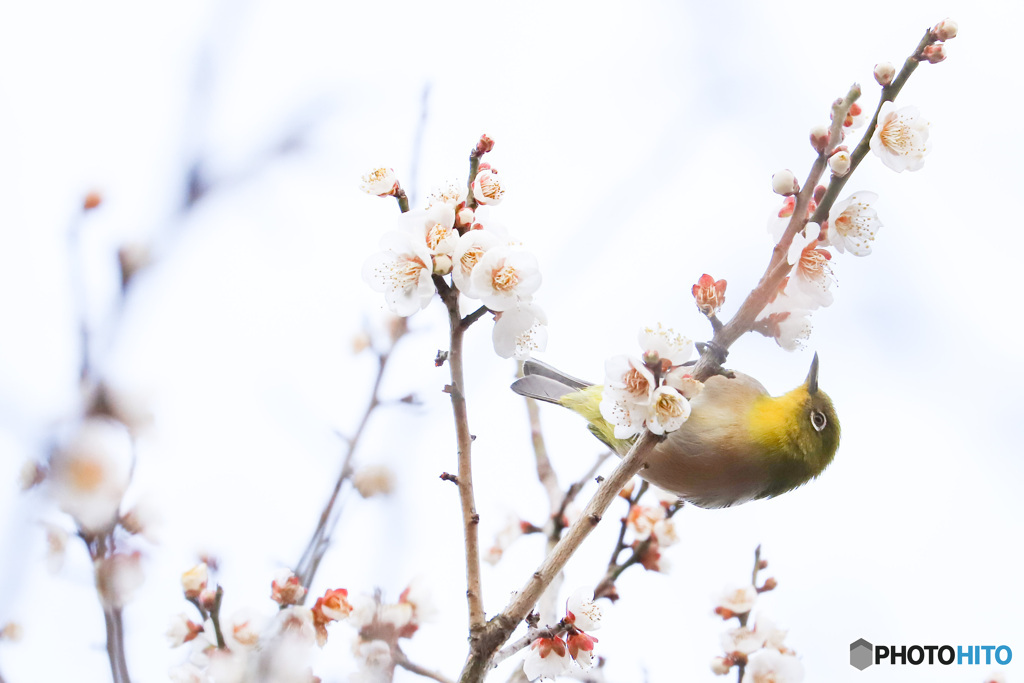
(818, 420)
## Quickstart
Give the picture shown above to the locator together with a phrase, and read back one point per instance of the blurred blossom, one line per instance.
(88, 476)
(194, 581)
(182, 630)
(736, 600)
(741, 639)
(118, 577)
(285, 588)
(771, 666)
(374, 480)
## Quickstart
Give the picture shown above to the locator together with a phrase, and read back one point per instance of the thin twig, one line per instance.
(402, 660)
(308, 563)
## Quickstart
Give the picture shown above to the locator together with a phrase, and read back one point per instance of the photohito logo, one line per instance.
(863, 654)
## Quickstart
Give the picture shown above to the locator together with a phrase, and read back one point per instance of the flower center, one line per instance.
(470, 258)
(636, 383)
(896, 136)
(437, 234)
(405, 273)
(504, 279)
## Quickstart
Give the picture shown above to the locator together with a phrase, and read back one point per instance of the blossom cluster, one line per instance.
(653, 529)
(456, 242)
(552, 655)
(246, 646)
(760, 650)
(652, 391)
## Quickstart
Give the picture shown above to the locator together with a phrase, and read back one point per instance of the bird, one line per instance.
(739, 443)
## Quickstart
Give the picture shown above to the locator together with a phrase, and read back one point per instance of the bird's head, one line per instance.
(817, 424)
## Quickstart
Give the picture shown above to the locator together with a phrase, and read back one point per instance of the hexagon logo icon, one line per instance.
(861, 652)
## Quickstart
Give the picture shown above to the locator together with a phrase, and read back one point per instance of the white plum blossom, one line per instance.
(453, 194)
(794, 330)
(801, 240)
(547, 658)
(379, 181)
(769, 631)
(737, 599)
(627, 393)
(741, 639)
(669, 410)
(504, 276)
(487, 188)
(666, 343)
(811, 280)
(436, 226)
(771, 666)
(680, 379)
(584, 612)
(853, 223)
(520, 331)
(901, 138)
(469, 249)
(402, 271)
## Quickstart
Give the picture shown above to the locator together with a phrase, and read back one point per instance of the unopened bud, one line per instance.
(442, 264)
(709, 294)
(819, 138)
(193, 582)
(373, 480)
(933, 54)
(464, 217)
(884, 73)
(819, 194)
(785, 183)
(208, 599)
(11, 632)
(92, 201)
(770, 584)
(627, 490)
(840, 163)
(720, 666)
(945, 30)
(485, 145)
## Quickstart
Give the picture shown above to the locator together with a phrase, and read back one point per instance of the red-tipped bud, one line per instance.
(769, 585)
(484, 146)
(945, 30)
(933, 54)
(884, 73)
(709, 294)
(819, 194)
(819, 138)
(92, 200)
(785, 183)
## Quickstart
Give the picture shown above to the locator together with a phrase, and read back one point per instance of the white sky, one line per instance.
(638, 145)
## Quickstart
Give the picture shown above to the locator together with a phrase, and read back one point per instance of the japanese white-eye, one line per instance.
(739, 443)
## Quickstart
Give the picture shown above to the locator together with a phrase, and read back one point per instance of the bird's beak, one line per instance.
(812, 376)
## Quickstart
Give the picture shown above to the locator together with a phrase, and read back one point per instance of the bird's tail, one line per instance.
(545, 383)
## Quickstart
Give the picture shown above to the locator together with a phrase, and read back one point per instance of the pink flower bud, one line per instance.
(785, 183)
(840, 163)
(485, 145)
(933, 54)
(709, 294)
(464, 217)
(884, 73)
(945, 30)
(819, 138)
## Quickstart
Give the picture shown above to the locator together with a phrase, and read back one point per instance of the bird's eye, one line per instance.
(818, 420)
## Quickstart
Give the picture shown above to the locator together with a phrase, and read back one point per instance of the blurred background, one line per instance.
(227, 140)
